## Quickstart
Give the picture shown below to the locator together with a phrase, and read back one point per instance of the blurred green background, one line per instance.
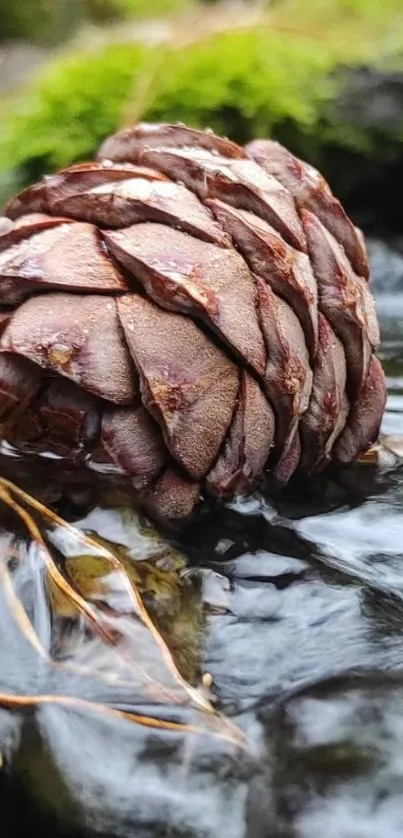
(323, 76)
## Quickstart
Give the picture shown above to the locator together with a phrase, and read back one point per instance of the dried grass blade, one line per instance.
(7, 487)
(229, 733)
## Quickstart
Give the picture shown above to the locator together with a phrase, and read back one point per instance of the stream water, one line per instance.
(303, 638)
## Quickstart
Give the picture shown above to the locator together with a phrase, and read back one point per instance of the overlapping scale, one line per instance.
(288, 461)
(126, 144)
(173, 497)
(56, 191)
(134, 442)
(117, 196)
(311, 192)
(344, 300)
(213, 168)
(286, 270)
(138, 199)
(187, 383)
(248, 444)
(328, 406)
(77, 337)
(67, 256)
(186, 275)
(288, 375)
(364, 419)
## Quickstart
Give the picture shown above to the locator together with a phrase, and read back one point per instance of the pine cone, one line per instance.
(190, 313)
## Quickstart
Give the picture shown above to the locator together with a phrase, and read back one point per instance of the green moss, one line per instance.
(74, 104)
(240, 83)
(290, 79)
(281, 78)
(244, 83)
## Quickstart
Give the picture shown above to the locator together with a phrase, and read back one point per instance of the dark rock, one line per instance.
(362, 152)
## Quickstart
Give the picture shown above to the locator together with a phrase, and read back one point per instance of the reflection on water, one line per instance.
(303, 638)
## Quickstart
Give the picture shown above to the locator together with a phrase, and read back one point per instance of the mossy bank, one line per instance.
(328, 82)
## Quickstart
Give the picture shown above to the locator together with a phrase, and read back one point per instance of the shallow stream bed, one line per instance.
(301, 632)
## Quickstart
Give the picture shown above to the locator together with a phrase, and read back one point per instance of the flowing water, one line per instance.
(302, 612)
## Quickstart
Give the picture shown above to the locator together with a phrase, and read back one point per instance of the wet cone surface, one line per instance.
(189, 313)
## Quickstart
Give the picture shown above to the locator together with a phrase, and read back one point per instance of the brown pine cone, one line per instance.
(189, 313)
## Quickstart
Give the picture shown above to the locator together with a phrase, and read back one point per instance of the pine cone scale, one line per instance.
(187, 383)
(240, 183)
(365, 415)
(134, 443)
(77, 337)
(328, 407)
(192, 277)
(341, 300)
(248, 444)
(124, 145)
(286, 270)
(62, 255)
(288, 375)
(312, 193)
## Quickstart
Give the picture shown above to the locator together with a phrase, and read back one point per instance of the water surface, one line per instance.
(303, 639)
